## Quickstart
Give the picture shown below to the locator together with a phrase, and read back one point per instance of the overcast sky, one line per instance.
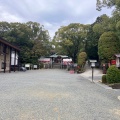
(50, 13)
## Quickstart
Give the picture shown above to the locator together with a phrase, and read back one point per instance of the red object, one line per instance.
(113, 62)
(103, 65)
(78, 67)
(71, 71)
(64, 63)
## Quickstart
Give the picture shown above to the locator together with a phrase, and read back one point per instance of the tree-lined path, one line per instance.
(55, 94)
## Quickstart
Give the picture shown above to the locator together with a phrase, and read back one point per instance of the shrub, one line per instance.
(81, 61)
(82, 58)
(104, 79)
(108, 45)
(113, 75)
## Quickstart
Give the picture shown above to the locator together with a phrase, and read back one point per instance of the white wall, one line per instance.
(13, 58)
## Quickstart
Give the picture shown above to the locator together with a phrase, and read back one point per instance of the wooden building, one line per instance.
(9, 56)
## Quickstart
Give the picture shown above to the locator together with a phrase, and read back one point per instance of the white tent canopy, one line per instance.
(44, 60)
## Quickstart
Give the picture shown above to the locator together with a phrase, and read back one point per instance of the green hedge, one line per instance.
(113, 75)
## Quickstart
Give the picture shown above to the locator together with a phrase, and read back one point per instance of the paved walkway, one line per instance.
(55, 94)
(97, 74)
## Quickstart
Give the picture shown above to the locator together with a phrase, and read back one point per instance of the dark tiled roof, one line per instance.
(8, 44)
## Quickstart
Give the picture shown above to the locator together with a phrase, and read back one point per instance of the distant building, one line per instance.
(9, 59)
(55, 61)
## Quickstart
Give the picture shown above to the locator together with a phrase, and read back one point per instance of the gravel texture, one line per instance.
(55, 94)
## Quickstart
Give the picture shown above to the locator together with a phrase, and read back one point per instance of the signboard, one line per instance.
(113, 62)
(93, 61)
(93, 64)
(27, 65)
(35, 66)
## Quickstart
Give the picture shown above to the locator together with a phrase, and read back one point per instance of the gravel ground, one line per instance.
(54, 94)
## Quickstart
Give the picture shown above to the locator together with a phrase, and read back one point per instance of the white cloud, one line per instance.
(6, 16)
(51, 27)
(10, 18)
(51, 13)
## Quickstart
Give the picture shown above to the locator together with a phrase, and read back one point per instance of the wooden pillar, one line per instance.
(14, 60)
(10, 60)
(18, 60)
(4, 57)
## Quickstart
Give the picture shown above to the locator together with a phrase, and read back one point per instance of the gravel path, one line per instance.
(54, 94)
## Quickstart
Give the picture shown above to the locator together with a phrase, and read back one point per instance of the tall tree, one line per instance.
(106, 3)
(108, 46)
(71, 39)
(92, 44)
(102, 24)
(30, 37)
